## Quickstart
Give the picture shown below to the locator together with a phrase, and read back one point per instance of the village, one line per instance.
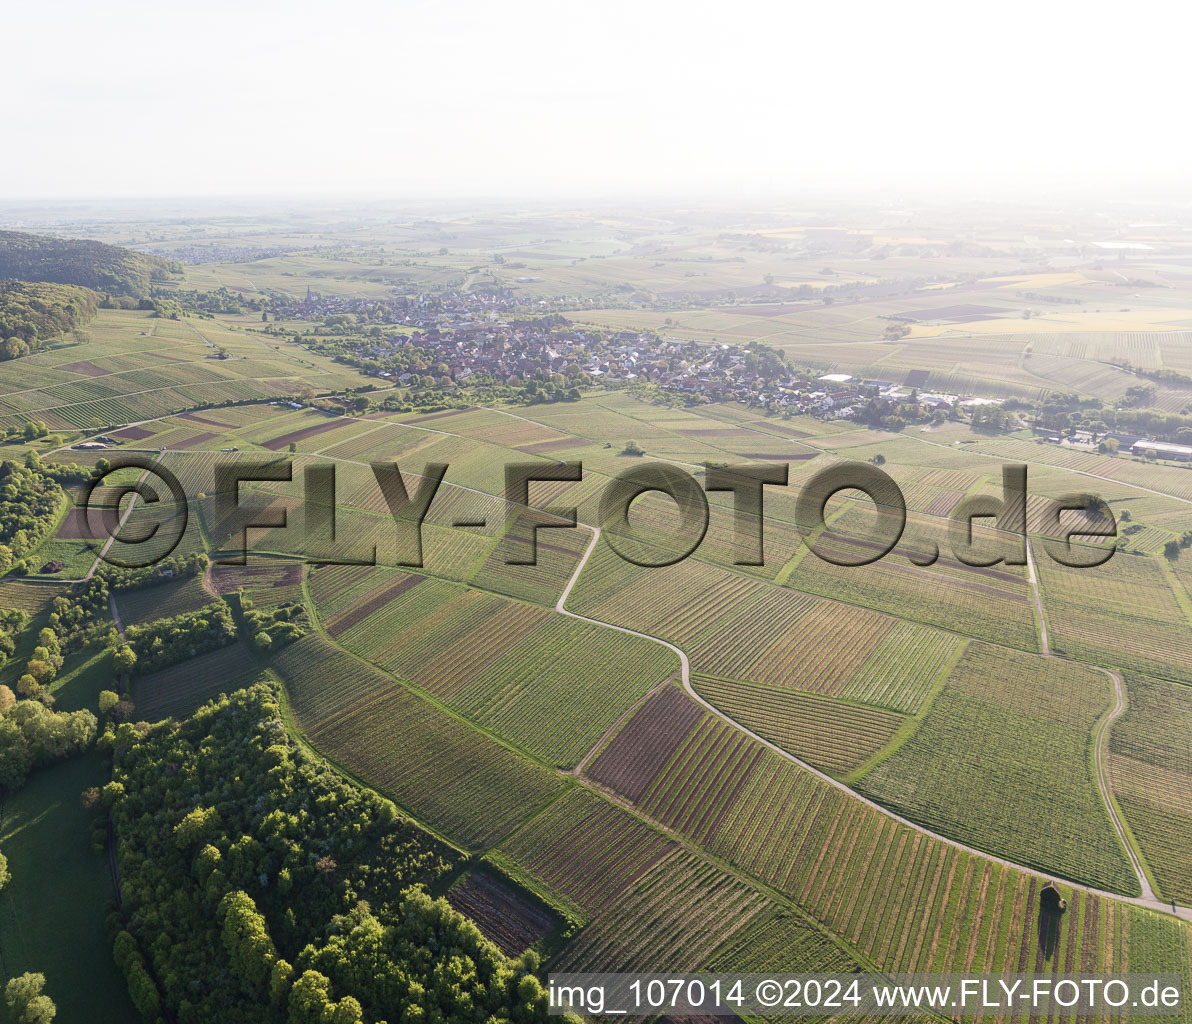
(453, 340)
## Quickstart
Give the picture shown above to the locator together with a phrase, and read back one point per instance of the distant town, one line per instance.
(448, 341)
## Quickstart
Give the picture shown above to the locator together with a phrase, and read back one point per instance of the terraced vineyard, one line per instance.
(514, 920)
(174, 598)
(180, 690)
(509, 666)
(792, 641)
(992, 604)
(679, 602)
(642, 747)
(429, 632)
(557, 553)
(781, 942)
(908, 901)
(612, 816)
(902, 669)
(596, 674)
(1150, 767)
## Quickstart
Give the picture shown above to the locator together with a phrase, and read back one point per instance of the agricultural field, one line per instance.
(30, 596)
(171, 527)
(794, 642)
(513, 919)
(828, 734)
(593, 672)
(641, 748)
(678, 603)
(992, 603)
(672, 918)
(506, 665)
(703, 778)
(173, 368)
(429, 632)
(904, 667)
(848, 767)
(76, 555)
(582, 852)
(177, 597)
(1150, 769)
(180, 690)
(1002, 761)
(908, 901)
(556, 554)
(1125, 614)
(782, 942)
(734, 626)
(443, 772)
(268, 585)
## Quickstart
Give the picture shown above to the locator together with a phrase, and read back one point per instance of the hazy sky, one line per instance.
(532, 98)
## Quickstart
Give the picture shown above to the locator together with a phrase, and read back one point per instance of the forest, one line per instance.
(32, 735)
(31, 314)
(258, 885)
(96, 265)
(30, 502)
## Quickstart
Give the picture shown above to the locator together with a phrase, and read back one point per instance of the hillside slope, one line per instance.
(106, 268)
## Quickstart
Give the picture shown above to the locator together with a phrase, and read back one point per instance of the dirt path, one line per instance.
(115, 614)
(123, 681)
(1044, 644)
(209, 583)
(1101, 759)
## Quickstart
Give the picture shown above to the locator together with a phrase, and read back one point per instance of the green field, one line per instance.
(433, 765)
(831, 735)
(52, 912)
(1150, 768)
(1002, 761)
